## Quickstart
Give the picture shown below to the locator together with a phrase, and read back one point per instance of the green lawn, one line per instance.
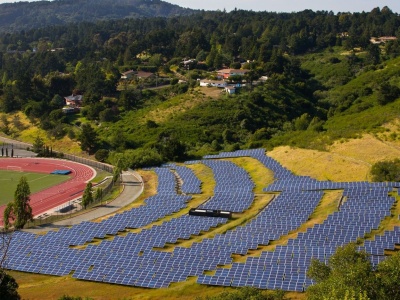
(37, 182)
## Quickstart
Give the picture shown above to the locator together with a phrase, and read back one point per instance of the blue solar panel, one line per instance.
(138, 259)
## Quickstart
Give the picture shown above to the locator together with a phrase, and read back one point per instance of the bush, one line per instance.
(386, 171)
(101, 155)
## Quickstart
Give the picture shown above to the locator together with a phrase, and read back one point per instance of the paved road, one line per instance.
(17, 152)
(133, 187)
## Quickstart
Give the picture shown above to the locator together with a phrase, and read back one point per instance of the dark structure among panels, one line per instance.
(139, 259)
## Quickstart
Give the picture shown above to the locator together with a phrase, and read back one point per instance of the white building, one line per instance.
(215, 83)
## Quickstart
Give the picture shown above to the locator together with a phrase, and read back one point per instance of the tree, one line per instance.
(99, 194)
(348, 273)
(388, 93)
(88, 138)
(19, 210)
(38, 145)
(8, 287)
(386, 171)
(388, 273)
(302, 122)
(373, 54)
(170, 147)
(101, 155)
(120, 163)
(87, 197)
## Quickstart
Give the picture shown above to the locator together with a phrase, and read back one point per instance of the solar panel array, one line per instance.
(286, 267)
(147, 259)
(376, 248)
(234, 188)
(190, 183)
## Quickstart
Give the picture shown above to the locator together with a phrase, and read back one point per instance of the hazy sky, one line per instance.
(285, 5)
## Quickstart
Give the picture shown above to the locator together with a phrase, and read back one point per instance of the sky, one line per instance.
(284, 5)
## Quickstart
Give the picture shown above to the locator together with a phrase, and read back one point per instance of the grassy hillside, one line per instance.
(351, 101)
(345, 161)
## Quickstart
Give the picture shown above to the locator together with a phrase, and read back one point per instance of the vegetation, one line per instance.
(24, 15)
(37, 182)
(386, 171)
(349, 275)
(247, 293)
(8, 287)
(66, 297)
(326, 81)
(19, 211)
(87, 197)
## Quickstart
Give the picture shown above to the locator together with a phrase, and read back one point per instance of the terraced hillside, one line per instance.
(275, 231)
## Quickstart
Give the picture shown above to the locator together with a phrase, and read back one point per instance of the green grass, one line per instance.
(37, 182)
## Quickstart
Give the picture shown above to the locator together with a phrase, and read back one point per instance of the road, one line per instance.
(133, 188)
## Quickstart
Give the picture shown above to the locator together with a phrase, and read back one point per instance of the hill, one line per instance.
(325, 83)
(29, 15)
(337, 164)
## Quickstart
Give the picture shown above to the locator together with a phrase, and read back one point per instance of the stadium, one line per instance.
(52, 191)
(148, 253)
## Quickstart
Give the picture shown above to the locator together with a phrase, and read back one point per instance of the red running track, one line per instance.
(56, 195)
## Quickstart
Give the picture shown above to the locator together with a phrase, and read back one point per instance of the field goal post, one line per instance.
(14, 168)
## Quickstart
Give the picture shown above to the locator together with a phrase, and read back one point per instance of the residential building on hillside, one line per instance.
(74, 100)
(215, 83)
(382, 39)
(128, 74)
(226, 73)
(230, 90)
(136, 74)
(144, 75)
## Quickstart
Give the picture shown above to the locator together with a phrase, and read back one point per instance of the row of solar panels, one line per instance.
(315, 243)
(132, 260)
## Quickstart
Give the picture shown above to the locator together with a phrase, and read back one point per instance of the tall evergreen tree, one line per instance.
(87, 197)
(88, 138)
(19, 210)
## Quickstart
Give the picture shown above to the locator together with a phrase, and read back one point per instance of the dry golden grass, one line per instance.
(239, 219)
(260, 175)
(368, 149)
(321, 165)
(28, 132)
(327, 206)
(346, 161)
(181, 104)
(44, 287)
(212, 92)
(389, 222)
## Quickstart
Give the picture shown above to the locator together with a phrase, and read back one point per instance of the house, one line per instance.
(230, 90)
(136, 74)
(144, 75)
(382, 39)
(226, 73)
(215, 83)
(128, 74)
(189, 62)
(74, 100)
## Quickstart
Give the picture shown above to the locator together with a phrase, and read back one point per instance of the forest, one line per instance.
(29, 15)
(300, 104)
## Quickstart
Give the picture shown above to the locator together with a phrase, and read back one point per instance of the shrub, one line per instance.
(101, 155)
(386, 170)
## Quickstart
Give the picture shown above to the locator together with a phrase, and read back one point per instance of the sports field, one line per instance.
(37, 182)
